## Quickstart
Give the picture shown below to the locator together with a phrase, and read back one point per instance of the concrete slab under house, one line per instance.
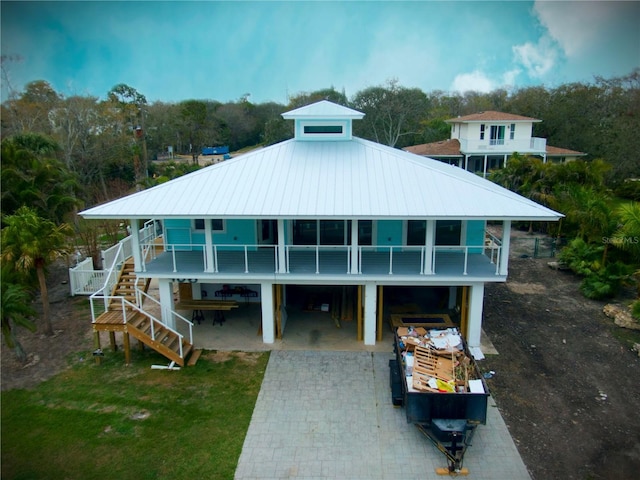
(323, 223)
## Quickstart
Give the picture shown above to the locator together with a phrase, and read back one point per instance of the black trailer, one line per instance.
(448, 419)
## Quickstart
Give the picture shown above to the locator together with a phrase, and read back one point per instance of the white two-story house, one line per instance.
(484, 141)
(327, 209)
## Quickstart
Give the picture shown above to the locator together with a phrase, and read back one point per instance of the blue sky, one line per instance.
(178, 50)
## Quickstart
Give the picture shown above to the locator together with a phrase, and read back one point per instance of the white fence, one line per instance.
(84, 280)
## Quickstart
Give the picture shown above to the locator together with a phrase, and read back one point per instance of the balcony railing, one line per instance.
(191, 260)
(488, 146)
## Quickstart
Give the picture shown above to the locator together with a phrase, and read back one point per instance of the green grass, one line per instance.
(116, 422)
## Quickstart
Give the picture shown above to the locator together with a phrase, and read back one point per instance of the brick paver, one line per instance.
(328, 415)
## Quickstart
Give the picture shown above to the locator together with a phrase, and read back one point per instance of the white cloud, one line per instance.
(537, 59)
(577, 26)
(475, 81)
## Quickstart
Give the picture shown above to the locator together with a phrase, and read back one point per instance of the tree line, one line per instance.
(110, 144)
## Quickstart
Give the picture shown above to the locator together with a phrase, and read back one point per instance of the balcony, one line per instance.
(256, 261)
(534, 145)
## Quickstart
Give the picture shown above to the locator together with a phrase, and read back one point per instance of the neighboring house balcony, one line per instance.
(330, 262)
(534, 145)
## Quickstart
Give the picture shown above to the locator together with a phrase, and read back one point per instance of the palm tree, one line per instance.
(31, 175)
(30, 242)
(628, 235)
(16, 311)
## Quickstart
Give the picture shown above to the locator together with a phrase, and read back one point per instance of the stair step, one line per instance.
(194, 357)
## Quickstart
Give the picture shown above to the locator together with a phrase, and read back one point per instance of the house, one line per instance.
(325, 210)
(483, 141)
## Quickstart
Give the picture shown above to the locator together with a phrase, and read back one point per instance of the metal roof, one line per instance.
(326, 179)
(323, 110)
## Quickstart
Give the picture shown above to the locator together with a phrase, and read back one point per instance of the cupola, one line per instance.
(324, 121)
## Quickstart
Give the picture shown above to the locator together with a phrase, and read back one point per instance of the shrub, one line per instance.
(605, 282)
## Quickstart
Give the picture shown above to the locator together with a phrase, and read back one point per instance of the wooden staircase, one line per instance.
(128, 282)
(134, 321)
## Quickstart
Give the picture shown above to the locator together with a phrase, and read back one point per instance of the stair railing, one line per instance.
(110, 280)
(132, 308)
(141, 296)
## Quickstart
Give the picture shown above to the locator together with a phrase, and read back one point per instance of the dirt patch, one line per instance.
(250, 358)
(526, 288)
(48, 356)
(565, 385)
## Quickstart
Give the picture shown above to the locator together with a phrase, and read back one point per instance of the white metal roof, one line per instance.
(327, 179)
(323, 110)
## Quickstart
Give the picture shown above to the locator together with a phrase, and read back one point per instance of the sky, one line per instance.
(271, 50)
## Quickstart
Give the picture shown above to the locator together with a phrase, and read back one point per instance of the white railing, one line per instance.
(246, 249)
(84, 280)
(391, 250)
(128, 309)
(492, 248)
(317, 250)
(480, 147)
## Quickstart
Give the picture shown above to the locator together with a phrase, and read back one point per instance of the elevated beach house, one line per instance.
(324, 210)
(484, 141)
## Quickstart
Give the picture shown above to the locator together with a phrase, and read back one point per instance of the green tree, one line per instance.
(391, 112)
(627, 237)
(30, 242)
(16, 309)
(31, 175)
(132, 107)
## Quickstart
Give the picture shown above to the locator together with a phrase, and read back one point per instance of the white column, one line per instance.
(282, 257)
(165, 289)
(208, 240)
(268, 320)
(370, 313)
(135, 244)
(484, 170)
(474, 324)
(430, 241)
(354, 246)
(504, 250)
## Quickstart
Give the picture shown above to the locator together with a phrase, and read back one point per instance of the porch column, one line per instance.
(282, 257)
(135, 244)
(208, 247)
(505, 161)
(354, 247)
(466, 162)
(370, 304)
(268, 320)
(474, 325)
(165, 289)
(504, 250)
(484, 170)
(429, 244)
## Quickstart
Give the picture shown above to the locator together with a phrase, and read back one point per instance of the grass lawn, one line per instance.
(117, 422)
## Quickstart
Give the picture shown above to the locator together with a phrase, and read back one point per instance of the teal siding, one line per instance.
(236, 232)
(475, 234)
(389, 232)
(178, 232)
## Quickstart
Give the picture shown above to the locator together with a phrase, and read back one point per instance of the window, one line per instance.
(497, 135)
(217, 224)
(482, 131)
(448, 232)
(512, 131)
(332, 129)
